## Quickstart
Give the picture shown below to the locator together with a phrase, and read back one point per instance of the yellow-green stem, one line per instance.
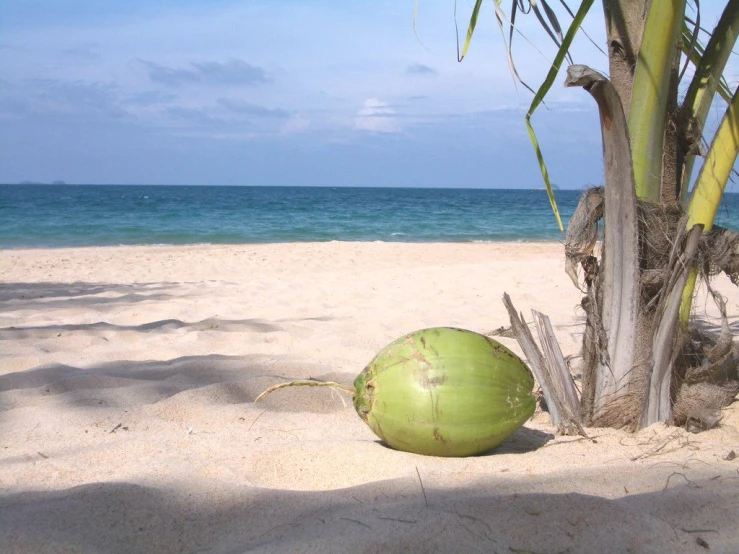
(650, 93)
(709, 188)
(686, 304)
(707, 79)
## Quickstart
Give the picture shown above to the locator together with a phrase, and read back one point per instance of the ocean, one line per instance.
(52, 216)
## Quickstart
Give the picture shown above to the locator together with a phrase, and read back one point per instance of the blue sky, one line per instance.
(295, 92)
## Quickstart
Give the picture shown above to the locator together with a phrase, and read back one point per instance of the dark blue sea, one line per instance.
(41, 216)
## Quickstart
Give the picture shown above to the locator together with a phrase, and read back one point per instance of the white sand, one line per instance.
(127, 377)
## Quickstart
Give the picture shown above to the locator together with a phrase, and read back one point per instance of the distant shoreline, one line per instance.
(204, 245)
(387, 187)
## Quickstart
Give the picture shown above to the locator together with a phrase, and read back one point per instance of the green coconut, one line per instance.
(445, 392)
(441, 392)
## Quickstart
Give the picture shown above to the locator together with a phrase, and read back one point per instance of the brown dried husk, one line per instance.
(704, 372)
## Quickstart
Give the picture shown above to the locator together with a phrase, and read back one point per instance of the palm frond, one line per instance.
(708, 81)
(549, 21)
(542, 92)
(693, 39)
(550, 24)
(584, 32)
(470, 28)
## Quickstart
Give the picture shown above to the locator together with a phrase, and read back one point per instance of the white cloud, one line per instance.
(376, 116)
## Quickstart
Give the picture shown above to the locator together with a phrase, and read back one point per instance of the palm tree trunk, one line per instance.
(624, 29)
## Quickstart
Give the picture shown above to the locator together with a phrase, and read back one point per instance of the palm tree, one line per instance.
(644, 359)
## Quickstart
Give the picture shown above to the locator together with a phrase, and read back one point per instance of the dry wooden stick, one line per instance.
(567, 422)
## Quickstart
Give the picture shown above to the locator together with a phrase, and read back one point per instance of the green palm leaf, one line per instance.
(542, 92)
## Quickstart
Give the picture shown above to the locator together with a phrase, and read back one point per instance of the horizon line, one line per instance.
(63, 183)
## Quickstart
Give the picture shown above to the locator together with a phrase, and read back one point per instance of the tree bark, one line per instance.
(624, 30)
(673, 147)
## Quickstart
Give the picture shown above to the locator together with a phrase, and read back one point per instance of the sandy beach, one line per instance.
(127, 422)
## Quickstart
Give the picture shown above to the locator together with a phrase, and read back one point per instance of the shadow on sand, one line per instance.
(15, 296)
(386, 516)
(216, 379)
(164, 325)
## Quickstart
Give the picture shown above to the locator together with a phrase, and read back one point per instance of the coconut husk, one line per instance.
(698, 406)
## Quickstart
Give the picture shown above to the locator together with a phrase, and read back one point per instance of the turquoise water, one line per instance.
(97, 215)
